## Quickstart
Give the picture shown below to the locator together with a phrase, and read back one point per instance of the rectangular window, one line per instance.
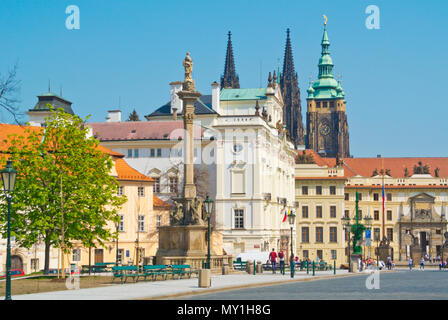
(135, 153)
(332, 211)
(389, 197)
(332, 190)
(376, 215)
(35, 264)
(120, 191)
(239, 219)
(173, 184)
(304, 212)
(320, 254)
(156, 185)
(121, 224)
(141, 223)
(76, 255)
(346, 196)
(333, 234)
(318, 190)
(318, 211)
(360, 196)
(141, 191)
(390, 234)
(438, 231)
(319, 234)
(305, 254)
(376, 234)
(304, 190)
(333, 255)
(389, 215)
(152, 153)
(159, 153)
(346, 213)
(376, 197)
(159, 220)
(129, 153)
(359, 214)
(305, 234)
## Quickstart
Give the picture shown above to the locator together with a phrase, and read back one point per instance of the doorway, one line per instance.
(423, 242)
(16, 262)
(99, 256)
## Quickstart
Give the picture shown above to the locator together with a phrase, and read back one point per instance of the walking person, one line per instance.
(273, 258)
(410, 264)
(422, 264)
(281, 257)
(389, 263)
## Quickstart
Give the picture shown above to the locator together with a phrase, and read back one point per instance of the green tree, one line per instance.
(64, 191)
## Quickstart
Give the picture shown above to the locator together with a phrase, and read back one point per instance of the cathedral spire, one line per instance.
(292, 110)
(230, 79)
(288, 62)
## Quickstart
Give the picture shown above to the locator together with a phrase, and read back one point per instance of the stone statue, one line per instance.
(195, 212)
(436, 172)
(177, 216)
(188, 84)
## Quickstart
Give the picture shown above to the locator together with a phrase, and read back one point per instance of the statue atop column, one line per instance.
(188, 84)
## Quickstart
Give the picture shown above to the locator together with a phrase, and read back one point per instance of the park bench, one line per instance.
(182, 269)
(239, 265)
(154, 270)
(124, 272)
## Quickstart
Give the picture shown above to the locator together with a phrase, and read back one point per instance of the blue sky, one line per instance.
(394, 78)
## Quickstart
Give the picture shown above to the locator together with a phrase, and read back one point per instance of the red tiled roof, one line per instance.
(126, 172)
(142, 130)
(159, 203)
(365, 166)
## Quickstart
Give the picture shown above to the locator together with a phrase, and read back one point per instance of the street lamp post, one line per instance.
(346, 226)
(9, 181)
(208, 208)
(116, 246)
(292, 219)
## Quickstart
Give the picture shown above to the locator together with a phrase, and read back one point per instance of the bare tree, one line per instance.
(9, 87)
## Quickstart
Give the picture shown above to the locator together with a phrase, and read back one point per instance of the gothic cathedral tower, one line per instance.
(230, 79)
(292, 110)
(327, 127)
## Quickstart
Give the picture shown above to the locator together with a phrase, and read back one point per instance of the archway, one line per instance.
(16, 262)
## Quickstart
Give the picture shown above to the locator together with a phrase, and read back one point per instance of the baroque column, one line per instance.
(188, 95)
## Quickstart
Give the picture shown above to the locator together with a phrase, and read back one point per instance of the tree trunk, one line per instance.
(47, 256)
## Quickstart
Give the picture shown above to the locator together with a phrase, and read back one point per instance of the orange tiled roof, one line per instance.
(126, 172)
(365, 166)
(159, 203)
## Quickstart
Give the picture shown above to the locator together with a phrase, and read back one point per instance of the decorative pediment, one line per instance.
(423, 197)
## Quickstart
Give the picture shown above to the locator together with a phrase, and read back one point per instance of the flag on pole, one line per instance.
(285, 216)
(383, 197)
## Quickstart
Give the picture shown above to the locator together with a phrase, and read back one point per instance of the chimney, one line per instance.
(174, 114)
(176, 103)
(113, 116)
(215, 97)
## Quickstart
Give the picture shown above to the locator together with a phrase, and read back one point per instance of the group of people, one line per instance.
(442, 264)
(273, 259)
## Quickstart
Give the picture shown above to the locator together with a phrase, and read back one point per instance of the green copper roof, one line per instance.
(325, 87)
(243, 94)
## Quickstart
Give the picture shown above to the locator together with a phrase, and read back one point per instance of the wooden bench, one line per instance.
(182, 269)
(124, 272)
(154, 270)
(239, 265)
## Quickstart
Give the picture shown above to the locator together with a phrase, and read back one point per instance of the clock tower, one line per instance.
(327, 127)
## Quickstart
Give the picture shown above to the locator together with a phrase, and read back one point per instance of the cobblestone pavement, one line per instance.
(401, 284)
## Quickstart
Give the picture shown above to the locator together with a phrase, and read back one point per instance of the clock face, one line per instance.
(325, 129)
